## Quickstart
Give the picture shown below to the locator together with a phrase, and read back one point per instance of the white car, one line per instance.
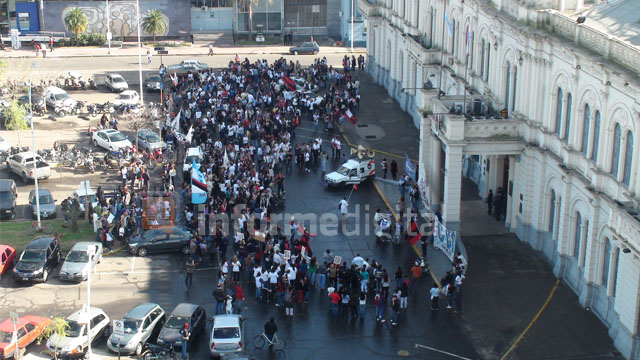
(76, 265)
(4, 145)
(130, 97)
(83, 196)
(110, 139)
(115, 82)
(74, 342)
(227, 335)
(192, 154)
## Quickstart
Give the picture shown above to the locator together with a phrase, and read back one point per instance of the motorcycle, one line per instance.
(63, 110)
(159, 352)
(77, 109)
(89, 164)
(383, 234)
(152, 158)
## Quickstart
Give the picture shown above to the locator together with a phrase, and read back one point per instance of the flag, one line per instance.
(174, 78)
(349, 116)
(355, 186)
(301, 229)
(413, 239)
(446, 21)
(189, 135)
(468, 39)
(225, 160)
(288, 83)
(198, 185)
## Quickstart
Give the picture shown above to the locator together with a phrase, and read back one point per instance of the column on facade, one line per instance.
(491, 174)
(452, 187)
(435, 172)
(513, 199)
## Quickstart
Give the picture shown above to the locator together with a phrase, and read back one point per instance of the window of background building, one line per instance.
(628, 159)
(577, 239)
(615, 153)
(567, 117)
(211, 3)
(586, 123)
(265, 13)
(596, 137)
(306, 13)
(606, 260)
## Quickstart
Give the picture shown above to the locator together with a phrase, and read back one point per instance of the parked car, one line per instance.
(308, 47)
(47, 203)
(187, 65)
(36, 99)
(141, 324)
(7, 257)
(153, 82)
(74, 342)
(149, 140)
(4, 145)
(110, 139)
(22, 164)
(129, 97)
(56, 97)
(28, 329)
(164, 239)
(83, 196)
(192, 154)
(8, 195)
(227, 335)
(77, 264)
(115, 82)
(192, 314)
(37, 260)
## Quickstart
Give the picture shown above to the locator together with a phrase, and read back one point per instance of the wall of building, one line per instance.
(577, 202)
(211, 19)
(359, 35)
(123, 16)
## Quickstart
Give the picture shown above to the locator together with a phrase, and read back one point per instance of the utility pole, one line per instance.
(139, 52)
(109, 35)
(33, 146)
(352, 25)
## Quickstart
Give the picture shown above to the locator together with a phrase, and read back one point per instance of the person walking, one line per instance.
(148, 57)
(190, 267)
(379, 303)
(434, 294)
(288, 301)
(210, 50)
(362, 304)
(344, 208)
(394, 170)
(184, 337)
(238, 296)
(220, 297)
(489, 201)
(395, 308)
(384, 168)
(51, 43)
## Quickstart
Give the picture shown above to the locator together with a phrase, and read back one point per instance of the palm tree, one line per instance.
(242, 4)
(154, 23)
(58, 325)
(76, 21)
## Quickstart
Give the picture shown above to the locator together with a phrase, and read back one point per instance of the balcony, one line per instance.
(370, 8)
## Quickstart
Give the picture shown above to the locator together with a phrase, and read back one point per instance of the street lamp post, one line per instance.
(33, 146)
(109, 35)
(91, 252)
(352, 1)
(139, 51)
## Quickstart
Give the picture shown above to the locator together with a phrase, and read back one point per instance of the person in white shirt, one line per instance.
(434, 293)
(344, 208)
(235, 268)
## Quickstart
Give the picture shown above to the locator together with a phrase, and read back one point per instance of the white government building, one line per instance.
(551, 113)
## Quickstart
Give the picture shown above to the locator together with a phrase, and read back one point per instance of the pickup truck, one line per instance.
(354, 171)
(22, 164)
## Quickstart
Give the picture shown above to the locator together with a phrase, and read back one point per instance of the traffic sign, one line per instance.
(118, 327)
(161, 86)
(158, 49)
(163, 52)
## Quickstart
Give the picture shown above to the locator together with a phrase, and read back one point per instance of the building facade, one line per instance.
(518, 96)
(359, 24)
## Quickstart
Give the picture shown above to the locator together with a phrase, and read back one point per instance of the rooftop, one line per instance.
(620, 18)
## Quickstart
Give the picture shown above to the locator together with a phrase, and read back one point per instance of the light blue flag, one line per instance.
(446, 21)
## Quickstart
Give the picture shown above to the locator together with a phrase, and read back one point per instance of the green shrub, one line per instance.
(86, 40)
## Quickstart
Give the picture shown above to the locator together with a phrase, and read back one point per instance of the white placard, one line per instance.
(337, 260)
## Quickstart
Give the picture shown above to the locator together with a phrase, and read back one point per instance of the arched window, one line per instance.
(552, 211)
(606, 261)
(616, 266)
(585, 245)
(559, 99)
(432, 25)
(628, 159)
(507, 87)
(615, 152)
(585, 129)
(401, 69)
(567, 117)
(482, 59)
(515, 87)
(577, 236)
(596, 137)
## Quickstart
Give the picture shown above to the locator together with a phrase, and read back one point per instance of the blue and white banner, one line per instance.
(444, 239)
(198, 185)
(409, 167)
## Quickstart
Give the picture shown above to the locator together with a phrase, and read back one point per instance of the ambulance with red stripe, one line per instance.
(354, 171)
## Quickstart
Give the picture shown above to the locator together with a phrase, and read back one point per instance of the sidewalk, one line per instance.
(130, 49)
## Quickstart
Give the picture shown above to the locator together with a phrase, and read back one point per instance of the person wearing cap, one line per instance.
(184, 336)
(220, 297)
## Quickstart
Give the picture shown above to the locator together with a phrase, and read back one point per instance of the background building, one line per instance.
(359, 24)
(542, 104)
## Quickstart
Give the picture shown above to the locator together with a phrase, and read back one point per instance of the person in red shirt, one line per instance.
(335, 302)
(239, 296)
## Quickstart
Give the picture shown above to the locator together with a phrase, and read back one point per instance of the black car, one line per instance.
(192, 314)
(8, 195)
(310, 47)
(40, 256)
(162, 239)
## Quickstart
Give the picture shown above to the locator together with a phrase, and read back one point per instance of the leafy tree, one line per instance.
(76, 21)
(154, 23)
(14, 116)
(59, 326)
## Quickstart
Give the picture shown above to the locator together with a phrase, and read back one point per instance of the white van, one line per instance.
(193, 153)
(82, 196)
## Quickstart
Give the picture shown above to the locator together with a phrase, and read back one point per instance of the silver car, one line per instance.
(74, 342)
(149, 140)
(141, 323)
(47, 204)
(76, 265)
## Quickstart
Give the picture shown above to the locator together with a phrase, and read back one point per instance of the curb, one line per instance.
(184, 54)
(114, 251)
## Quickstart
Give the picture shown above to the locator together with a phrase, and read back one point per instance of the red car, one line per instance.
(28, 328)
(7, 254)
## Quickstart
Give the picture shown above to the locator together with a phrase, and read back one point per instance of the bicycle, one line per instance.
(33, 228)
(260, 340)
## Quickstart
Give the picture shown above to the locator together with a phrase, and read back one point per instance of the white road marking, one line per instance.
(133, 261)
(442, 352)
